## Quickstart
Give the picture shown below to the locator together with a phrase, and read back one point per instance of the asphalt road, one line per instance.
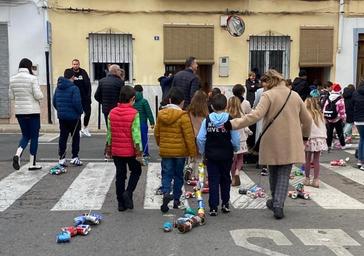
(28, 226)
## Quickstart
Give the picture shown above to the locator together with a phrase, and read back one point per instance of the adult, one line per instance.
(187, 80)
(300, 85)
(165, 82)
(25, 91)
(282, 144)
(252, 85)
(108, 91)
(358, 106)
(348, 128)
(82, 81)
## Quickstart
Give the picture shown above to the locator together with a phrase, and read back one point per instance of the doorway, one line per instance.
(320, 73)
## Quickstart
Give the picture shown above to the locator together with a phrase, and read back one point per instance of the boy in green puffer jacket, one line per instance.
(145, 114)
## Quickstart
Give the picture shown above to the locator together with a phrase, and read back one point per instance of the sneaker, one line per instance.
(225, 208)
(269, 204)
(76, 161)
(359, 164)
(166, 199)
(315, 183)
(62, 162)
(176, 204)
(86, 132)
(213, 212)
(362, 168)
(16, 162)
(264, 172)
(128, 201)
(278, 213)
(329, 149)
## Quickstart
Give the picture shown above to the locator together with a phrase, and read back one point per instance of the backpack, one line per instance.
(330, 111)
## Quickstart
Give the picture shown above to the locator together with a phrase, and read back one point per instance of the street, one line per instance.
(34, 206)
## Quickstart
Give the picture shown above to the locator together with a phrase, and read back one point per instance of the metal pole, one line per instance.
(49, 105)
(156, 106)
(99, 117)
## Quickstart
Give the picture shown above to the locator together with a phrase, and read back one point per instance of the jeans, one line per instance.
(68, 127)
(219, 179)
(172, 169)
(121, 170)
(29, 125)
(87, 111)
(361, 143)
(348, 129)
(144, 133)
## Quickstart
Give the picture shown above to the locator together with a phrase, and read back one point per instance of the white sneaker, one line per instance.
(86, 132)
(76, 161)
(63, 162)
(362, 168)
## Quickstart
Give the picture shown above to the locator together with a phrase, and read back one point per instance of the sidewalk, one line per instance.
(45, 128)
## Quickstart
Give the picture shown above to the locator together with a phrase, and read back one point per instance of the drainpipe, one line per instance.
(341, 25)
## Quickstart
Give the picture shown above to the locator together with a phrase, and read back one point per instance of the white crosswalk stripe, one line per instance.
(349, 172)
(89, 189)
(18, 183)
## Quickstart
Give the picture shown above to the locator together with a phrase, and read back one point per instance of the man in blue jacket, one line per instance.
(67, 102)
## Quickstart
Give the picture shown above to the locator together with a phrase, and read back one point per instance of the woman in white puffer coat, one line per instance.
(25, 91)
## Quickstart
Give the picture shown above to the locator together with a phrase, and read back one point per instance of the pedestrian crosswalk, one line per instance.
(89, 188)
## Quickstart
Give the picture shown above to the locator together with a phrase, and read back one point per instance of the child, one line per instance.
(334, 113)
(214, 92)
(218, 146)
(317, 140)
(67, 102)
(174, 136)
(123, 134)
(235, 111)
(145, 113)
(197, 110)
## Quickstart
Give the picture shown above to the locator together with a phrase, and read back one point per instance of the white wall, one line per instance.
(345, 60)
(27, 35)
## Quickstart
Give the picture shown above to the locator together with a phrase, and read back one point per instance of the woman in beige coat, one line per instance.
(283, 143)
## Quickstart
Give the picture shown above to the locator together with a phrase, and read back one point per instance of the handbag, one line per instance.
(255, 149)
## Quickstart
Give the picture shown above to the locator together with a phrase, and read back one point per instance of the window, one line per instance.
(111, 49)
(270, 52)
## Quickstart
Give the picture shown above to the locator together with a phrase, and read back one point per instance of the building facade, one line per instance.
(23, 34)
(148, 38)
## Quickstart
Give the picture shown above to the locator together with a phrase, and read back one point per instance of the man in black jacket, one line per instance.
(358, 105)
(108, 91)
(82, 81)
(301, 86)
(187, 80)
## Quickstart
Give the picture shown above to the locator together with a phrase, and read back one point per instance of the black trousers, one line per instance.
(68, 127)
(87, 111)
(338, 126)
(135, 171)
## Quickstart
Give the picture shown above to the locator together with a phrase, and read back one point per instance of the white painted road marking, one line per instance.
(334, 239)
(329, 197)
(243, 201)
(241, 237)
(89, 189)
(48, 137)
(349, 172)
(18, 183)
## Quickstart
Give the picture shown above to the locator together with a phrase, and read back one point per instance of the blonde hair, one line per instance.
(272, 78)
(313, 107)
(198, 106)
(234, 107)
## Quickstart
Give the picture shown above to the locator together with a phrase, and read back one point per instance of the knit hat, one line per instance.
(315, 93)
(336, 88)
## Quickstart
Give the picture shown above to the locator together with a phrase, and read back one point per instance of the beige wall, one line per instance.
(145, 19)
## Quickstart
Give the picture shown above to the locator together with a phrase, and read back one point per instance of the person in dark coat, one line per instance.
(165, 83)
(348, 129)
(67, 101)
(252, 85)
(358, 106)
(187, 80)
(82, 81)
(301, 86)
(108, 91)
